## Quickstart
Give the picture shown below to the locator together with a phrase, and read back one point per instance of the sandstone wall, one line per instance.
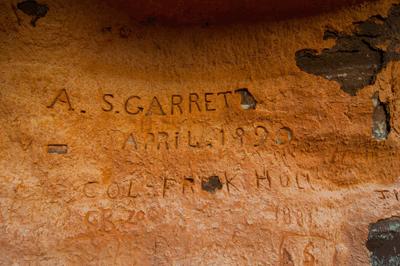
(136, 142)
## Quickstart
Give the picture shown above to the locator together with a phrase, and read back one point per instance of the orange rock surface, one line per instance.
(138, 134)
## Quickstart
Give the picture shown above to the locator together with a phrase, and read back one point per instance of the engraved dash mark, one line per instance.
(57, 149)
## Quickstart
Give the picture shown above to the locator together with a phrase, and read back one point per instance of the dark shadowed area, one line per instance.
(208, 12)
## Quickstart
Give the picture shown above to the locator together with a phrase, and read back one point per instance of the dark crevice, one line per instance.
(380, 118)
(356, 59)
(106, 30)
(330, 35)
(383, 242)
(191, 180)
(35, 9)
(248, 102)
(16, 14)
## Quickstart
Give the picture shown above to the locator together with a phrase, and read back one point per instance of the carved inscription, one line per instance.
(289, 215)
(283, 136)
(386, 194)
(108, 221)
(262, 181)
(252, 138)
(306, 250)
(63, 98)
(113, 190)
(178, 104)
(192, 103)
(187, 185)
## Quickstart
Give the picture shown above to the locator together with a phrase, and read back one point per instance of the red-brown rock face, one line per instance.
(156, 134)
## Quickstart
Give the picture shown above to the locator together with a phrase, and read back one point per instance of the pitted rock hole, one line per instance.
(383, 242)
(356, 59)
(211, 184)
(248, 102)
(380, 118)
(33, 8)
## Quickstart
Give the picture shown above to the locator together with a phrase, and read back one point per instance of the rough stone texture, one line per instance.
(128, 143)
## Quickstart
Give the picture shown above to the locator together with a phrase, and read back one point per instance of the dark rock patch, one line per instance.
(383, 242)
(356, 58)
(211, 184)
(35, 9)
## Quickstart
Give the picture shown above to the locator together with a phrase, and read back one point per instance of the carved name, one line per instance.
(174, 140)
(176, 104)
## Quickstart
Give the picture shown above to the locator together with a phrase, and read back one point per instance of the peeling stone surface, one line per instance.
(356, 58)
(130, 141)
